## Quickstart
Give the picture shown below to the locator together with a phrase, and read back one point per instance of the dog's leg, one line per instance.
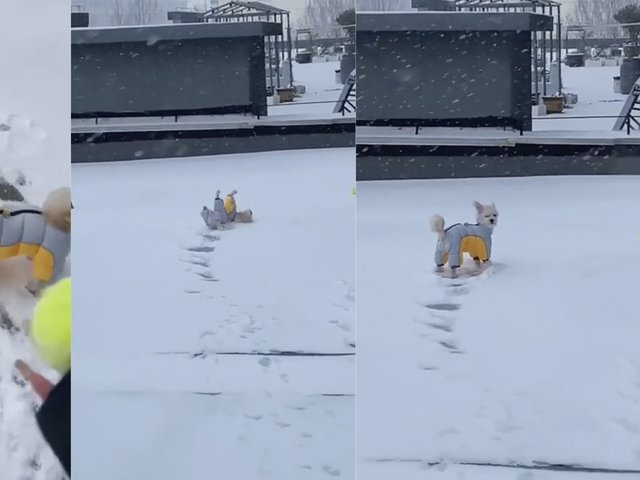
(16, 272)
(34, 287)
(440, 256)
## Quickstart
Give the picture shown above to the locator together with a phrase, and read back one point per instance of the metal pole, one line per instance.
(544, 56)
(270, 65)
(559, 34)
(289, 48)
(278, 38)
(534, 49)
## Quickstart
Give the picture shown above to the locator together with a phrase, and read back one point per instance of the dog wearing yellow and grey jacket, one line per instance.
(242, 216)
(224, 213)
(461, 238)
(40, 234)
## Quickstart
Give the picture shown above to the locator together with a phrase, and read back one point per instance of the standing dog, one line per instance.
(461, 238)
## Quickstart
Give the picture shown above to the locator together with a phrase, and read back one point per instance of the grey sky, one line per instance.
(296, 7)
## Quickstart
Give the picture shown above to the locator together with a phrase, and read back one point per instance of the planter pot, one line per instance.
(286, 94)
(631, 51)
(575, 60)
(629, 73)
(304, 57)
(616, 85)
(553, 104)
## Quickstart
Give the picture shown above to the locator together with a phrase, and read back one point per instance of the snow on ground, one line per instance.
(173, 376)
(32, 95)
(594, 86)
(319, 78)
(537, 361)
(34, 87)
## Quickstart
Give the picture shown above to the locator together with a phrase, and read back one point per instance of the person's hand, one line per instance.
(40, 385)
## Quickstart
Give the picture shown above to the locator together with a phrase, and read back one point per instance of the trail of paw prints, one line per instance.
(305, 434)
(344, 305)
(437, 320)
(198, 262)
(237, 330)
(291, 424)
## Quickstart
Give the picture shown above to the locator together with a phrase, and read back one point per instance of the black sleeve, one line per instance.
(54, 420)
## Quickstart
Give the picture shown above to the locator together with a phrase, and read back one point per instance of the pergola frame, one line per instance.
(249, 11)
(542, 43)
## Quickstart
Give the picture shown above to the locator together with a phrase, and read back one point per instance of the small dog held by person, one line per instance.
(35, 242)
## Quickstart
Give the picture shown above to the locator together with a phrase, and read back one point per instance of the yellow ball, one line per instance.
(51, 326)
(353, 190)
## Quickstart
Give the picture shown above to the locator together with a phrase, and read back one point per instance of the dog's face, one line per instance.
(486, 215)
(57, 209)
(244, 216)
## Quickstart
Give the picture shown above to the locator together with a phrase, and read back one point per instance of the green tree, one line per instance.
(347, 20)
(630, 15)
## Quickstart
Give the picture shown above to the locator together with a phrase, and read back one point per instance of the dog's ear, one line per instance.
(479, 206)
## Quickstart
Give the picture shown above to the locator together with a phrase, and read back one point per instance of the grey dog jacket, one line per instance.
(474, 239)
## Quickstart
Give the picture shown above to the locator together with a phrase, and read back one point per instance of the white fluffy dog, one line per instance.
(461, 238)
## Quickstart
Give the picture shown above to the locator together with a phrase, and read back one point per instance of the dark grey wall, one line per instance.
(593, 42)
(168, 75)
(440, 5)
(443, 75)
(181, 16)
(79, 19)
(400, 162)
(145, 145)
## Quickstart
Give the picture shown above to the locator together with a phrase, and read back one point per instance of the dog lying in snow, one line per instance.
(461, 238)
(224, 213)
(35, 242)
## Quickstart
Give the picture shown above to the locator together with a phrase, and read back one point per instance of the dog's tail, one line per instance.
(437, 225)
(57, 209)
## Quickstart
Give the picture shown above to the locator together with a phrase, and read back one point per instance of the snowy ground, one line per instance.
(537, 361)
(30, 93)
(594, 86)
(322, 90)
(34, 87)
(178, 381)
